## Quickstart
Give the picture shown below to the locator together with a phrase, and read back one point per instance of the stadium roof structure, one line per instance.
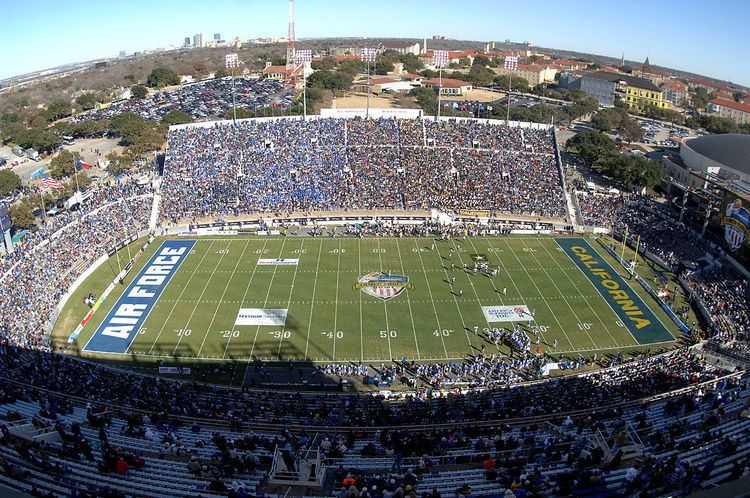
(628, 79)
(730, 149)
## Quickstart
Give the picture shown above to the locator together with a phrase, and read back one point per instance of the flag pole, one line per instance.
(635, 258)
(44, 209)
(624, 241)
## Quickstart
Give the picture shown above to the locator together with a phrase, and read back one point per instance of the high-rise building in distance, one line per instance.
(198, 40)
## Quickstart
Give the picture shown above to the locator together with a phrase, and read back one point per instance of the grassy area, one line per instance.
(329, 319)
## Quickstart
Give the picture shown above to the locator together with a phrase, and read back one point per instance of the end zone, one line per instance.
(634, 314)
(118, 330)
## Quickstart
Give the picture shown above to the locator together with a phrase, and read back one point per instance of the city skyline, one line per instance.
(74, 32)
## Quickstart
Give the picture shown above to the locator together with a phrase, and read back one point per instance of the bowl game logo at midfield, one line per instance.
(736, 225)
(382, 286)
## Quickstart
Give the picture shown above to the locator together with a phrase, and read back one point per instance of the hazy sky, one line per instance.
(705, 37)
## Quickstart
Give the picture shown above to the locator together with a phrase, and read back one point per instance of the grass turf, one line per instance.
(329, 320)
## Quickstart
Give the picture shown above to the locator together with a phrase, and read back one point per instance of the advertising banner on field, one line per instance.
(278, 262)
(258, 316)
(514, 313)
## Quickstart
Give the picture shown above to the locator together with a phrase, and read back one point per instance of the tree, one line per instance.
(426, 98)
(590, 145)
(739, 96)
(383, 66)
(87, 101)
(721, 125)
(518, 84)
(22, 215)
(58, 109)
(327, 64)
(221, 72)
(632, 171)
(605, 120)
(9, 182)
(630, 130)
(138, 92)
(411, 62)
(480, 75)
(176, 117)
(63, 164)
(352, 67)
(700, 98)
(162, 76)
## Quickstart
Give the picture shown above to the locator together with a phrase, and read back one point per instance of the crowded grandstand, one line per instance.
(661, 422)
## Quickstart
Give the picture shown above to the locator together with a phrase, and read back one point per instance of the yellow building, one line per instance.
(636, 93)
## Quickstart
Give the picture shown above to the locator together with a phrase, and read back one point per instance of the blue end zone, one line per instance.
(629, 307)
(125, 319)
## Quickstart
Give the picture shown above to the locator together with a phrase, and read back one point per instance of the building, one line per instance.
(675, 91)
(535, 74)
(186, 43)
(724, 156)
(403, 48)
(636, 93)
(280, 72)
(384, 84)
(601, 89)
(438, 37)
(122, 54)
(648, 73)
(736, 111)
(449, 86)
(217, 36)
(570, 65)
(198, 40)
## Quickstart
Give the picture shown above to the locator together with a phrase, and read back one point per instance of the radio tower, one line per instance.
(291, 56)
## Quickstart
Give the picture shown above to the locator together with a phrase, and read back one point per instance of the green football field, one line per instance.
(329, 318)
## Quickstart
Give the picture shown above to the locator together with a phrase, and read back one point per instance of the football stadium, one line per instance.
(226, 285)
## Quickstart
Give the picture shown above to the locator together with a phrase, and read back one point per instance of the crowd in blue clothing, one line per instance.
(49, 258)
(288, 165)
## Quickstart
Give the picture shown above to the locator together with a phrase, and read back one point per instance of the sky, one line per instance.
(705, 37)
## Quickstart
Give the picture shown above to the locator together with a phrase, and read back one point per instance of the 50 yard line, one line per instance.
(385, 307)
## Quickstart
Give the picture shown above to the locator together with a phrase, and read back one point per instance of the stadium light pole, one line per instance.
(368, 56)
(303, 57)
(231, 61)
(439, 60)
(511, 64)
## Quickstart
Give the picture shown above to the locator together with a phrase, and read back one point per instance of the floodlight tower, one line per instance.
(368, 56)
(291, 56)
(231, 61)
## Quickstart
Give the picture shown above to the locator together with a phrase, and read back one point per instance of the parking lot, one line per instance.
(659, 134)
(202, 100)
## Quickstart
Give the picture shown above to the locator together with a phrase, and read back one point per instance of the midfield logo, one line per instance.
(736, 225)
(382, 286)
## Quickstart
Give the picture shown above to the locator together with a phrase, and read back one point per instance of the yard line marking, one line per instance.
(408, 300)
(289, 302)
(432, 299)
(336, 305)
(216, 311)
(268, 293)
(359, 294)
(385, 307)
(471, 281)
(179, 339)
(575, 315)
(512, 281)
(544, 299)
(312, 303)
(588, 303)
(242, 301)
(187, 284)
(460, 315)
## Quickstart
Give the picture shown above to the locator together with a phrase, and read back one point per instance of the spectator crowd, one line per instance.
(289, 165)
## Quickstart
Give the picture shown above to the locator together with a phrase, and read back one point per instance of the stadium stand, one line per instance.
(660, 424)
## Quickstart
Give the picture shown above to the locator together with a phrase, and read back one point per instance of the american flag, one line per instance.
(49, 182)
(511, 63)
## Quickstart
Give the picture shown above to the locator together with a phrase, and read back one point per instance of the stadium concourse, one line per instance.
(656, 425)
